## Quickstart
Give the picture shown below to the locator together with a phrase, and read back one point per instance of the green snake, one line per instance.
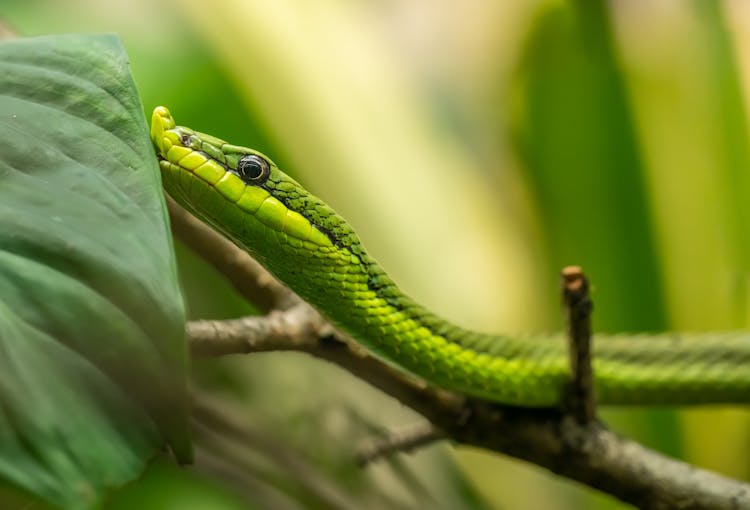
(305, 244)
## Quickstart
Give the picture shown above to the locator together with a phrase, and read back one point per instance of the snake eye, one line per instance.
(253, 169)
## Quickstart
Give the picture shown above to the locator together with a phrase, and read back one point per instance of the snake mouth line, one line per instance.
(258, 201)
(175, 154)
(270, 200)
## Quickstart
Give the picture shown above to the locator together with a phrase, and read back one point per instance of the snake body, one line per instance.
(304, 243)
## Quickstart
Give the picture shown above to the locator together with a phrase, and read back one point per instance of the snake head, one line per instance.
(242, 192)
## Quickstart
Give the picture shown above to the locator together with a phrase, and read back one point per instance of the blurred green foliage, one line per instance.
(477, 148)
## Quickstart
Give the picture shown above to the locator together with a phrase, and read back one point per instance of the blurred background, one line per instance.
(477, 147)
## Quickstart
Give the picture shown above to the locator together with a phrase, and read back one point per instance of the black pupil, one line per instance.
(251, 167)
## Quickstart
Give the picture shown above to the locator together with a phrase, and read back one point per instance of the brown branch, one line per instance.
(587, 453)
(399, 441)
(581, 400)
(298, 328)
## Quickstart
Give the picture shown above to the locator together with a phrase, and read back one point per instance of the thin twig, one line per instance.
(575, 291)
(404, 440)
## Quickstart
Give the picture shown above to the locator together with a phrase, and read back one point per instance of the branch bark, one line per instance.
(586, 452)
(575, 292)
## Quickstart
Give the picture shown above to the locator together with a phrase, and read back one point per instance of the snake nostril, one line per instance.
(186, 140)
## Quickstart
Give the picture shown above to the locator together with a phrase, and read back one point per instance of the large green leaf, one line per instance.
(92, 354)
